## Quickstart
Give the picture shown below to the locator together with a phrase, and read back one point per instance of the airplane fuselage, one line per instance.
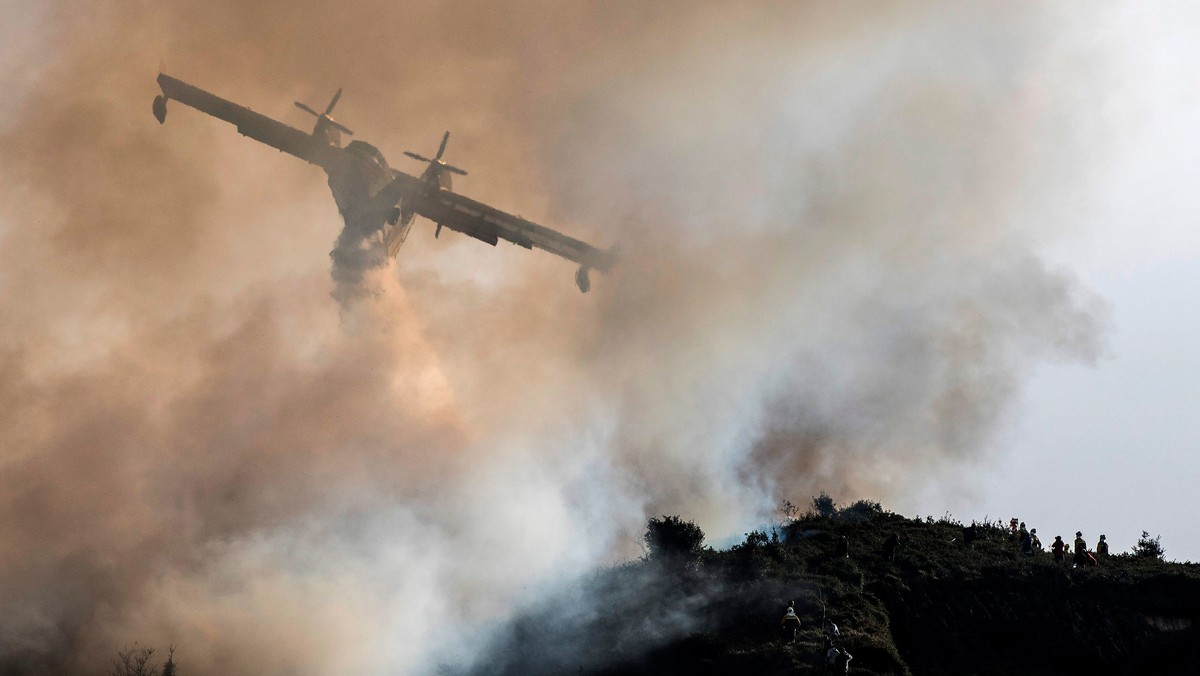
(355, 175)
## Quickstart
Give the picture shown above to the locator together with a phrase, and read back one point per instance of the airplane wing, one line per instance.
(488, 224)
(249, 123)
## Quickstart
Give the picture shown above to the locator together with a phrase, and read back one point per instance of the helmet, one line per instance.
(1078, 533)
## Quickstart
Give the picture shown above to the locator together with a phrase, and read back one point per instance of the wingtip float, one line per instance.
(373, 196)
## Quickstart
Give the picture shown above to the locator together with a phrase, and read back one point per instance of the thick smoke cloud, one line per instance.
(828, 280)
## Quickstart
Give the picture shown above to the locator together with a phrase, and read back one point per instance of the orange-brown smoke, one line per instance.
(826, 281)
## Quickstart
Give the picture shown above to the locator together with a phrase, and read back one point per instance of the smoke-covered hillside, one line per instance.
(942, 606)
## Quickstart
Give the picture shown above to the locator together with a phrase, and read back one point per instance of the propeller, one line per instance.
(442, 147)
(437, 159)
(324, 117)
(337, 95)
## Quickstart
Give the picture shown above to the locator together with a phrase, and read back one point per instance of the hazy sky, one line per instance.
(937, 255)
(1118, 438)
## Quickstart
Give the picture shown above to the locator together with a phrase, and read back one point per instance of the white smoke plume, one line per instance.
(828, 279)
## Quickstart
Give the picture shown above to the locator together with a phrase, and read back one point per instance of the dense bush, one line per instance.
(1149, 547)
(673, 541)
(861, 510)
(823, 505)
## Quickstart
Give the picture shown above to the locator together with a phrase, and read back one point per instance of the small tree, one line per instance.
(1149, 547)
(789, 511)
(135, 661)
(169, 668)
(754, 540)
(673, 541)
(824, 506)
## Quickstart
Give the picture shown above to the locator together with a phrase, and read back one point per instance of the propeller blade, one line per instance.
(453, 169)
(442, 148)
(333, 103)
(340, 127)
(306, 109)
(417, 157)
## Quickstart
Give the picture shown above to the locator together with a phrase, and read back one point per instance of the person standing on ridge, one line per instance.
(1012, 525)
(970, 534)
(1034, 541)
(1080, 550)
(1102, 547)
(1059, 548)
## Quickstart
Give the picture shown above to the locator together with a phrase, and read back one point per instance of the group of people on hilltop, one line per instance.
(1027, 538)
(837, 658)
(1029, 543)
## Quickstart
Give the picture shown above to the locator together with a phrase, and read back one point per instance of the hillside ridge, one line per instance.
(944, 604)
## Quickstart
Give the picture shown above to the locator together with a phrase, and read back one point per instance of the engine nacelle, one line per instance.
(581, 279)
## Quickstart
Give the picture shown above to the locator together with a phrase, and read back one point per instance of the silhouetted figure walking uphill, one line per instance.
(790, 623)
(890, 545)
(832, 634)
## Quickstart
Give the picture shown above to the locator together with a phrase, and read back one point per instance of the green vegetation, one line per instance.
(943, 606)
(673, 542)
(1149, 547)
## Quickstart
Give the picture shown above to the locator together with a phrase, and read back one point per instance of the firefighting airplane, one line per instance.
(373, 197)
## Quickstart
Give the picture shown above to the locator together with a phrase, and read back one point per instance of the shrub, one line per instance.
(1149, 547)
(135, 661)
(861, 510)
(673, 541)
(823, 505)
(756, 539)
